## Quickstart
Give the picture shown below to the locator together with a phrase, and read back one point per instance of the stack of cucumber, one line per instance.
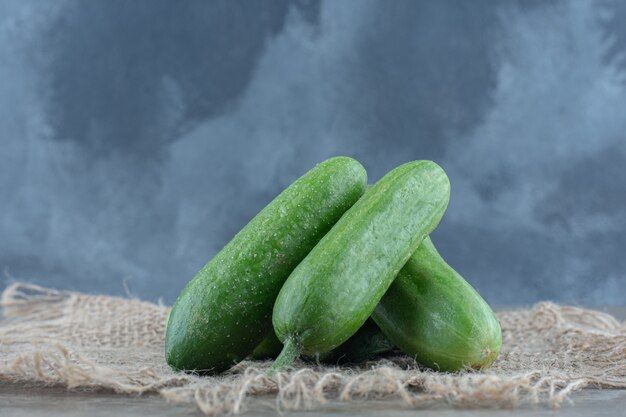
(338, 271)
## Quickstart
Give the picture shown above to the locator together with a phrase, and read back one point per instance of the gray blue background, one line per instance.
(136, 137)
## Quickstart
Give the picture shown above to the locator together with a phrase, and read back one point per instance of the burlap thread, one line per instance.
(100, 342)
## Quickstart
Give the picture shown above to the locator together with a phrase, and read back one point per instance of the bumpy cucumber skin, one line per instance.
(434, 315)
(336, 287)
(225, 310)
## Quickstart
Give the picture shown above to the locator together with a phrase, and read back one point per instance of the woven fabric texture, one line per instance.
(100, 342)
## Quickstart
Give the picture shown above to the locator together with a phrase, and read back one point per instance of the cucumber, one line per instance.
(367, 343)
(431, 313)
(269, 348)
(336, 287)
(225, 310)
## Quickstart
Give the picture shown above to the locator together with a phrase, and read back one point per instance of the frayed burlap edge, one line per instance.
(98, 342)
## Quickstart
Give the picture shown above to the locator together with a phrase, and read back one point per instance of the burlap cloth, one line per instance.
(99, 342)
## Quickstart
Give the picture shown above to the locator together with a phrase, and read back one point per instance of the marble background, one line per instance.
(136, 137)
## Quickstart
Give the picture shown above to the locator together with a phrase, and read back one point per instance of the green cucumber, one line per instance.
(367, 343)
(431, 313)
(336, 287)
(226, 309)
(269, 348)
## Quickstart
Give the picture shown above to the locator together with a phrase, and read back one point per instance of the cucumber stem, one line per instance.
(287, 356)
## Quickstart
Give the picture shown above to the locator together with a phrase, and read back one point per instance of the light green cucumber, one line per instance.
(336, 287)
(431, 313)
(226, 309)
